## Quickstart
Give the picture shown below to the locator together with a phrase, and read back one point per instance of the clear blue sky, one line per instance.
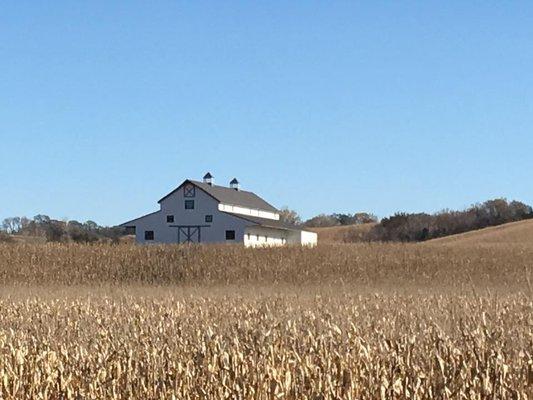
(327, 106)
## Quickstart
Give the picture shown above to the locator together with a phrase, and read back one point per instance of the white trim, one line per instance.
(248, 211)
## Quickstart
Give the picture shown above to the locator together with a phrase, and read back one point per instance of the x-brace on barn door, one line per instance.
(189, 233)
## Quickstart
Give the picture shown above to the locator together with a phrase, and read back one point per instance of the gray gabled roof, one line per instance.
(230, 196)
(128, 223)
(268, 223)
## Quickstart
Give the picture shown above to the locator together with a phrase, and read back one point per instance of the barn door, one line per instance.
(189, 234)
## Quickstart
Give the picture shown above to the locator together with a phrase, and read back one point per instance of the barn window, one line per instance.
(170, 219)
(189, 204)
(148, 235)
(230, 235)
(188, 191)
(208, 218)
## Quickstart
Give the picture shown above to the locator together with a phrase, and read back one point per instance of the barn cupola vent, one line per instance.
(208, 178)
(234, 184)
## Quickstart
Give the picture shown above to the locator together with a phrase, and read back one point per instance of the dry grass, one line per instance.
(335, 322)
(264, 346)
(508, 234)
(343, 234)
(396, 265)
(24, 239)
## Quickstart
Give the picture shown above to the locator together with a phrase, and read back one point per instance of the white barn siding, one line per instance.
(256, 236)
(248, 211)
(251, 226)
(304, 238)
(203, 205)
(149, 222)
(308, 238)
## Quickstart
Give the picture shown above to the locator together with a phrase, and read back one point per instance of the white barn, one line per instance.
(202, 212)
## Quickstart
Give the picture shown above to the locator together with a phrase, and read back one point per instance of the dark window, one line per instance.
(148, 235)
(170, 218)
(189, 204)
(230, 235)
(208, 218)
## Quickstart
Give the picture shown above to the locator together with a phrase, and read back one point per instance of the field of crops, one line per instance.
(335, 322)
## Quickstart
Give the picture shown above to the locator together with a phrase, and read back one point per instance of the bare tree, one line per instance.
(11, 225)
(289, 216)
(364, 218)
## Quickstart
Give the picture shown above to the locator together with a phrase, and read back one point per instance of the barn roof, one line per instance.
(268, 223)
(230, 196)
(126, 224)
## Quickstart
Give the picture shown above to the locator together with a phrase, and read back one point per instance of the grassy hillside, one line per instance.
(342, 234)
(513, 233)
(520, 232)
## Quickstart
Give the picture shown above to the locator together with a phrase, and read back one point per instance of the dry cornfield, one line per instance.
(336, 322)
(397, 265)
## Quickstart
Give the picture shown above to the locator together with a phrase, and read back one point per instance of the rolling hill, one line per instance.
(520, 232)
(512, 233)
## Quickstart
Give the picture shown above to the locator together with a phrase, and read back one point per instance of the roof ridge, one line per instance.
(220, 186)
(230, 196)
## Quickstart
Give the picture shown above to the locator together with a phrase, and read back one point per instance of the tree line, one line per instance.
(60, 231)
(413, 227)
(404, 227)
(401, 227)
(326, 220)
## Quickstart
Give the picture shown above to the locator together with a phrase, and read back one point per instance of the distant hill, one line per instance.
(520, 232)
(342, 233)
